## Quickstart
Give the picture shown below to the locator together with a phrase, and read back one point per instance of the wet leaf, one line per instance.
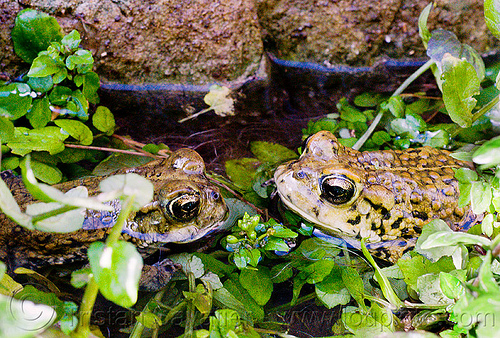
(242, 171)
(33, 32)
(15, 100)
(60, 95)
(48, 139)
(24, 318)
(117, 270)
(412, 124)
(77, 130)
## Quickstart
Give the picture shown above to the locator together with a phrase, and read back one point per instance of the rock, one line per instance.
(358, 32)
(156, 41)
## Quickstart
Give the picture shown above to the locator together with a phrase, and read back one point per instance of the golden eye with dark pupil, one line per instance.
(337, 189)
(184, 207)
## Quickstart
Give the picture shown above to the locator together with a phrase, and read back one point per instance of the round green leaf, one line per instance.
(271, 152)
(15, 100)
(10, 163)
(77, 130)
(33, 32)
(90, 86)
(104, 120)
(129, 185)
(40, 114)
(117, 270)
(41, 84)
(46, 173)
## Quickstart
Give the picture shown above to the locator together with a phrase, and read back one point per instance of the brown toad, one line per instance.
(383, 196)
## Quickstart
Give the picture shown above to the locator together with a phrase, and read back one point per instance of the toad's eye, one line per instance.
(184, 207)
(337, 189)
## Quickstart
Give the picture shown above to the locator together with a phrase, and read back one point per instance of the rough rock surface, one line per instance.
(171, 41)
(355, 32)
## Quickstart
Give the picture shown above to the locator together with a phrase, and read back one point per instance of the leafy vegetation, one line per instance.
(447, 285)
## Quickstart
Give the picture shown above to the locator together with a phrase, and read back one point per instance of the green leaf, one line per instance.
(128, 185)
(258, 284)
(242, 171)
(10, 163)
(380, 137)
(24, 318)
(465, 175)
(117, 270)
(349, 113)
(72, 40)
(43, 139)
(90, 86)
(450, 285)
(481, 196)
(429, 290)
(395, 105)
(33, 32)
(44, 66)
(354, 284)
(46, 173)
(41, 84)
(9, 207)
(80, 57)
(241, 294)
(40, 114)
(459, 86)
(444, 44)
(271, 153)
(104, 120)
(65, 222)
(15, 100)
(423, 31)
(488, 154)
(412, 124)
(367, 100)
(281, 272)
(6, 130)
(492, 16)
(436, 139)
(189, 264)
(60, 95)
(77, 130)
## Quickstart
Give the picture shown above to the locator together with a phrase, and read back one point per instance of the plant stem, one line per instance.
(398, 91)
(52, 213)
(83, 327)
(479, 113)
(190, 313)
(116, 231)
